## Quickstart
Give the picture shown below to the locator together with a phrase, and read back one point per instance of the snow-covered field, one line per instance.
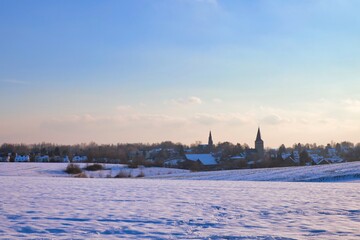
(43, 203)
(343, 172)
(30, 169)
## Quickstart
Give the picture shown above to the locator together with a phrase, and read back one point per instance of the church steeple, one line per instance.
(259, 145)
(210, 141)
(258, 136)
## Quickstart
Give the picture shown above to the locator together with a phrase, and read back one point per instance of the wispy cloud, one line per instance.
(124, 108)
(187, 101)
(217, 100)
(352, 105)
(228, 118)
(273, 119)
(14, 81)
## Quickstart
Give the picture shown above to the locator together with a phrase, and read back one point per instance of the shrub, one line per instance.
(141, 174)
(73, 169)
(94, 167)
(123, 174)
(133, 165)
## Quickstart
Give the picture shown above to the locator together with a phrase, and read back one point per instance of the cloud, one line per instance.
(273, 119)
(14, 81)
(187, 102)
(352, 105)
(129, 119)
(227, 118)
(124, 108)
(194, 100)
(217, 100)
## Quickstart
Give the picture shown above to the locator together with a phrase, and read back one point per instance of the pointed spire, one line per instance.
(210, 141)
(258, 136)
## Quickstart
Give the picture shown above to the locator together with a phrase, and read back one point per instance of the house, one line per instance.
(22, 158)
(79, 159)
(290, 159)
(317, 159)
(335, 159)
(331, 152)
(136, 153)
(204, 159)
(5, 159)
(44, 158)
(59, 159)
(332, 158)
(240, 157)
(173, 162)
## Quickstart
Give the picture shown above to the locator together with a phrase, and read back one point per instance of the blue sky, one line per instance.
(155, 70)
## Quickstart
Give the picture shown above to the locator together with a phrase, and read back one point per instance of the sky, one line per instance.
(172, 70)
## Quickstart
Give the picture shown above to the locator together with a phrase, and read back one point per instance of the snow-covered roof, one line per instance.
(205, 159)
(335, 159)
(317, 159)
(285, 155)
(238, 157)
(173, 162)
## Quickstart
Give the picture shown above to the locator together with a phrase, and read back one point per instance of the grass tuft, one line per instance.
(94, 167)
(73, 169)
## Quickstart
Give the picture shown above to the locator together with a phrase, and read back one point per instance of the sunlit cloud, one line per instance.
(227, 118)
(187, 101)
(352, 105)
(273, 119)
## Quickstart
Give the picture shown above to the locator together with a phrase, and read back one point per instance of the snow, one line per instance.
(72, 208)
(330, 173)
(40, 201)
(36, 169)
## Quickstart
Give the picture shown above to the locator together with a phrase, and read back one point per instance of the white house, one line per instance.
(79, 159)
(22, 158)
(173, 162)
(5, 159)
(66, 159)
(335, 159)
(44, 158)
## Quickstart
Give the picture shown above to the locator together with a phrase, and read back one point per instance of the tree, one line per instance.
(338, 148)
(279, 158)
(304, 158)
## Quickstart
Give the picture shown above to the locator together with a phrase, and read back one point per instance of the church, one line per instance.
(258, 153)
(259, 145)
(206, 148)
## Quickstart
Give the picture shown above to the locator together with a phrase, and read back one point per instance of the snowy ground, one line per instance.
(73, 208)
(57, 170)
(40, 201)
(342, 172)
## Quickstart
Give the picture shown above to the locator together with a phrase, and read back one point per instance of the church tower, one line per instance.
(210, 142)
(259, 144)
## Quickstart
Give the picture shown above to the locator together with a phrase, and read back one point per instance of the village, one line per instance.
(196, 157)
